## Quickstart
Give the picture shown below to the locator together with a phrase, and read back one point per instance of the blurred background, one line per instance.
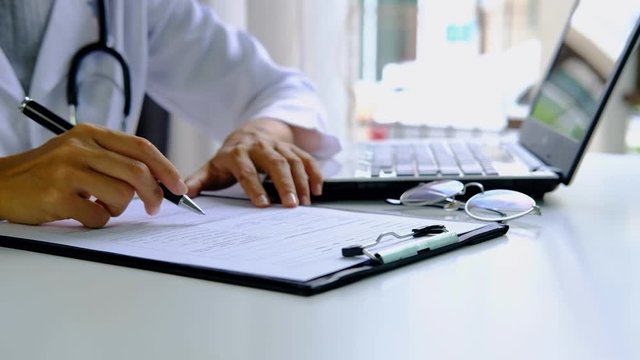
(401, 68)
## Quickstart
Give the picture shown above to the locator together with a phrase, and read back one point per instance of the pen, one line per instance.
(58, 125)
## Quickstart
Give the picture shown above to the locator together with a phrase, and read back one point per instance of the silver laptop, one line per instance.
(546, 151)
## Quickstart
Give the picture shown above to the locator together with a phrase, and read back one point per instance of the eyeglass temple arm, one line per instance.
(468, 185)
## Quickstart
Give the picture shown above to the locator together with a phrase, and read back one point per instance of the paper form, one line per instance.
(296, 244)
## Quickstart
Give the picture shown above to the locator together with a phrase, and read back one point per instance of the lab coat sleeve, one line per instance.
(217, 76)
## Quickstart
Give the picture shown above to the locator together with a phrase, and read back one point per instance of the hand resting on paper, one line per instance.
(269, 146)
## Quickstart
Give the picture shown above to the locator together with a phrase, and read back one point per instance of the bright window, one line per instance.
(428, 63)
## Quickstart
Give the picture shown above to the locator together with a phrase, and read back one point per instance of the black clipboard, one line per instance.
(304, 288)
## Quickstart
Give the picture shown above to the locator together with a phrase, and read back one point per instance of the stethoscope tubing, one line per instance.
(100, 46)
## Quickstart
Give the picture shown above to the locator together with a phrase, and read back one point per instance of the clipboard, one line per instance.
(315, 285)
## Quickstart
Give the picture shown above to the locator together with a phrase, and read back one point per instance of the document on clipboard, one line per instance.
(291, 250)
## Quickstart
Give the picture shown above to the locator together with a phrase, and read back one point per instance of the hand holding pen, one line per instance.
(61, 179)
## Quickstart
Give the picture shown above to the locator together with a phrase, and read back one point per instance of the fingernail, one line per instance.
(304, 200)
(183, 187)
(262, 201)
(317, 189)
(291, 199)
(154, 210)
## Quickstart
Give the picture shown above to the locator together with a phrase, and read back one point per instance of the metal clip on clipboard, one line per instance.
(426, 238)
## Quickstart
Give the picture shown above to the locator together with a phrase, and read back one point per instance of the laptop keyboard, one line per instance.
(428, 159)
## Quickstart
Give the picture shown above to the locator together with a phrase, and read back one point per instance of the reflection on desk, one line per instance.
(560, 286)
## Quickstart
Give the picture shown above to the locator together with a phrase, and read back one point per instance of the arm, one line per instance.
(270, 117)
(218, 77)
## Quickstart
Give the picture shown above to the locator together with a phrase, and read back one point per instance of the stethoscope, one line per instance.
(102, 45)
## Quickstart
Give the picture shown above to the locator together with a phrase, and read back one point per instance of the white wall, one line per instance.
(188, 148)
(318, 37)
(553, 17)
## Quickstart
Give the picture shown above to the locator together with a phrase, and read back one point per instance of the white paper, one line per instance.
(296, 244)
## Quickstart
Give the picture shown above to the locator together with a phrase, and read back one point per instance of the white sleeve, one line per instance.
(219, 77)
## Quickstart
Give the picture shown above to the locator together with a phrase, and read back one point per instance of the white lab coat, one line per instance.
(178, 52)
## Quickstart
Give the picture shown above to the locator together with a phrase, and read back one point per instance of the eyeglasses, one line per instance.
(490, 205)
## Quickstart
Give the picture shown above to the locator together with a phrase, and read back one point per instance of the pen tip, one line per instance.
(24, 103)
(186, 202)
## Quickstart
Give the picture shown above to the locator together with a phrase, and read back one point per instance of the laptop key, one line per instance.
(427, 170)
(532, 163)
(468, 163)
(449, 170)
(383, 157)
(446, 162)
(425, 163)
(405, 170)
(485, 162)
(471, 169)
(425, 160)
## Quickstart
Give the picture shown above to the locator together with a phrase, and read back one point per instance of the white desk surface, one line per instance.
(565, 285)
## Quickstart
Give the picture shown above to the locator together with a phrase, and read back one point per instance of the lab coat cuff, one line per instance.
(329, 144)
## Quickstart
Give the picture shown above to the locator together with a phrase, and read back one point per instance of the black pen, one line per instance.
(58, 125)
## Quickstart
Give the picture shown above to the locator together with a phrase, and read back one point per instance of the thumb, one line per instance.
(206, 179)
(195, 182)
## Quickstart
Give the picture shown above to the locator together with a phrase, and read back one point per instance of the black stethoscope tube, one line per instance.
(100, 46)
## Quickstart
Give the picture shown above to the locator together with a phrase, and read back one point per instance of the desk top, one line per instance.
(559, 286)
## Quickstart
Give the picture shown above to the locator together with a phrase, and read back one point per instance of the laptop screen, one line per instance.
(594, 47)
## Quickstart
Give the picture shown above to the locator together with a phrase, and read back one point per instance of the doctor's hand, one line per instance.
(88, 174)
(261, 146)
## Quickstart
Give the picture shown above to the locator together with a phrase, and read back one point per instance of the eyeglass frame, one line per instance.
(453, 204)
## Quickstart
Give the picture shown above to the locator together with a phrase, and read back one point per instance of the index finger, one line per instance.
(144, 151)
(313, 170)
(247, 176)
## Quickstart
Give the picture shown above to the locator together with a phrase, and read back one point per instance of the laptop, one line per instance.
(548, 148)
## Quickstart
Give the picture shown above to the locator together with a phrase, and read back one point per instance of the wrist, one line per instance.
(308, 140)
(273, 128)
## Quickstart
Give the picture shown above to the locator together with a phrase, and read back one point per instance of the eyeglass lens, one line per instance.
(432, 192)
(496, 205)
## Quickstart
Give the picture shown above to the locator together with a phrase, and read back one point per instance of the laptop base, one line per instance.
(380, 190)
